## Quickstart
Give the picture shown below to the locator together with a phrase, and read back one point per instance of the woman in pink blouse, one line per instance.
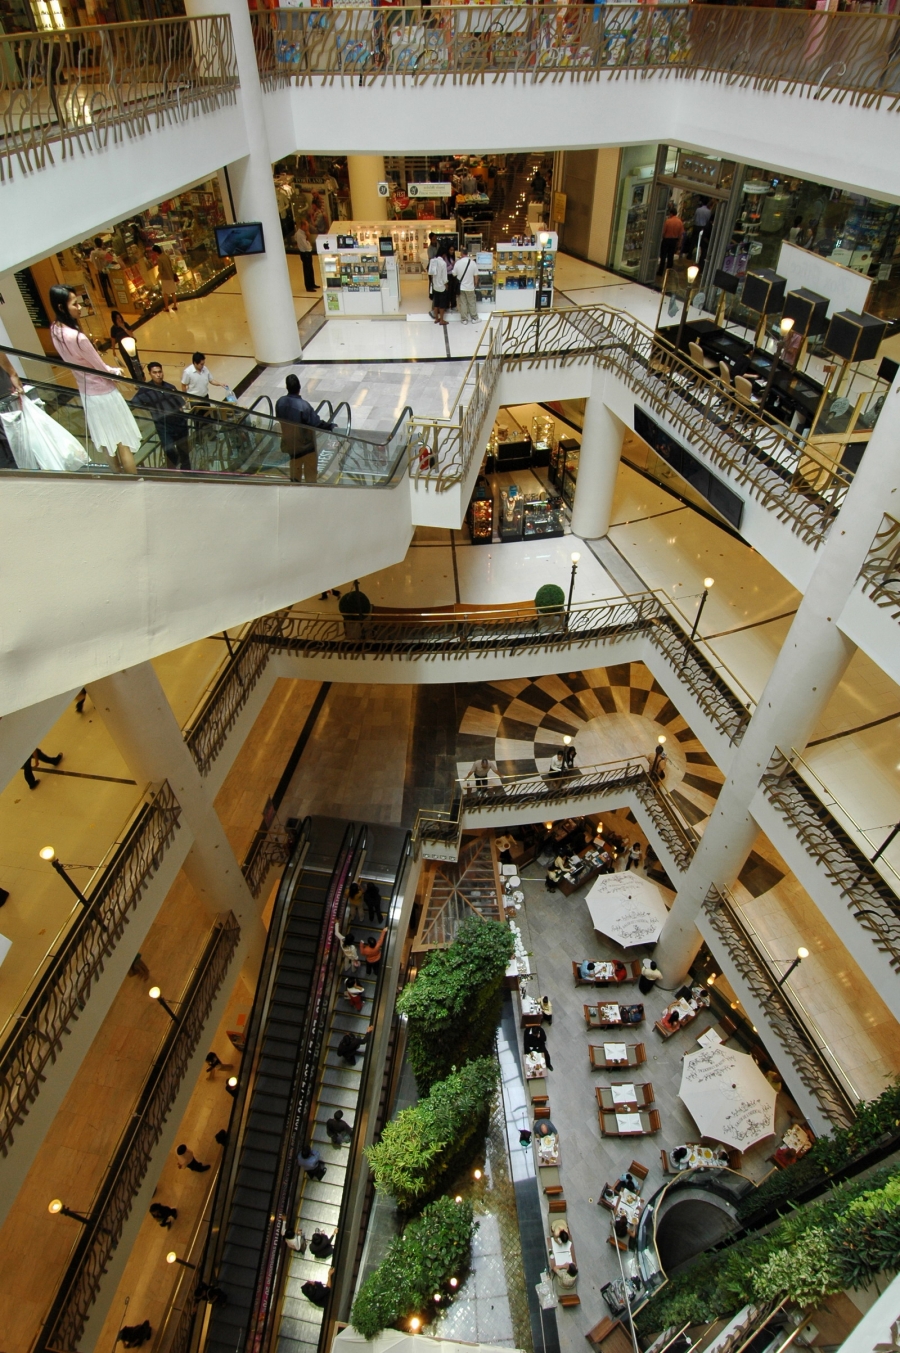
(111, 423)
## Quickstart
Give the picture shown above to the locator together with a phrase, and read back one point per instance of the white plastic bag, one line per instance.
(38, 442)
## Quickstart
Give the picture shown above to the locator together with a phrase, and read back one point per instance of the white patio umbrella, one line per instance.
(627, 907)
(728, 1096)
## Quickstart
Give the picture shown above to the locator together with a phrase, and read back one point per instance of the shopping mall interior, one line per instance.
(317, 836)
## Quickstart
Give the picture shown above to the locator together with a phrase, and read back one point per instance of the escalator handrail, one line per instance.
(212, 1254)
(344, 1241)
(281, 1200)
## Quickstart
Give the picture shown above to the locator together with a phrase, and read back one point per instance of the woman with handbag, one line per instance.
(110, 422)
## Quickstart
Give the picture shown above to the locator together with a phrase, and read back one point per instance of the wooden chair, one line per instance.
(605, 1200)
(609, 1336)
(648, 1095)
(725, 375)
(618, 1242)
(666, 1165)
(635, 970)
(699, 357)
(640, 1054)
(556, 1204)
(568, 1299)
(661, 1029)
(637, 1170)
(655, 1120)
(542, 1111)
(549, 1177)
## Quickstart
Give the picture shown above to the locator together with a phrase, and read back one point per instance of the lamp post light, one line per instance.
(156, 995)
(172, 1258)
(49, 854)
(785, 328)
(707, 584)
(56, 1209)
(575, 557)
(693, 273)
(801, 955)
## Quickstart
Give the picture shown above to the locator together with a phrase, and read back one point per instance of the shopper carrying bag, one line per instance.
(38, 442)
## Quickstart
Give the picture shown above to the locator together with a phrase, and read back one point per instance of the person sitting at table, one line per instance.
(625, 1181)
(551, 882)
(671, 1019)
(588, 970)
(504, 845)
(535, 1040)
(608, 1195)
(620, 1226)
(679, 1156)
(620, 972)
(559, 1233)
(631, 1014)
(566, 1274)
(699, 998)
(545, 1129)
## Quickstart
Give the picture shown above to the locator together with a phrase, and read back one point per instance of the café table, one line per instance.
(535, 1066)
(629, 1206)
(613, 1098)
(629, 1123)
(709, 1039)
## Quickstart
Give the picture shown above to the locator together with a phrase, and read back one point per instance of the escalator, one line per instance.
(291, 1082)
(193, 439)
(276, 1081)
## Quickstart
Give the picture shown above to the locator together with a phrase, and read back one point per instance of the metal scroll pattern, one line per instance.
(113, 1205)
(83, 88)
(766, 456)
(66, 984)
(454, 636)
(809, 1061)
(230, 693)
(829, 55)
(873, 902)
(881, 571)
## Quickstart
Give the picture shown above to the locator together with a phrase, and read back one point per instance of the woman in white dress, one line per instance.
(111, 423)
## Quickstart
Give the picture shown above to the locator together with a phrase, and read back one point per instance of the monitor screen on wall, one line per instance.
(244, 237)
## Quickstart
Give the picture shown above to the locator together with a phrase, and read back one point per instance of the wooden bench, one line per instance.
(610, 1336)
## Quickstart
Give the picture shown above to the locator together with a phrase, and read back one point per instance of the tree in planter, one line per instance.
(549, 599)
(453, 1006)
(432, 1250)
(424, 1147)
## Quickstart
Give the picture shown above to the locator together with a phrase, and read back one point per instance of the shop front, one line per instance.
(117, 269)
(517, 495)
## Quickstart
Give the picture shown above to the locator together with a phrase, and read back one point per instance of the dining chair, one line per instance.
(666, 1166)
(744, 391)
(725, 375)
(648, 1094)
(640, 1054)
(637, 1170)
(655, 1120)
(699, 357)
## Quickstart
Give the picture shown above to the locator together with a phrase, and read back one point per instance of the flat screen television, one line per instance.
(244, 237)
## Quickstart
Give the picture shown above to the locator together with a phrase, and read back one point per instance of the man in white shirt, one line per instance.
(465, 270)
(196, 379)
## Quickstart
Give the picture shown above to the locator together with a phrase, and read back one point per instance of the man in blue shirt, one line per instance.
(297, 416)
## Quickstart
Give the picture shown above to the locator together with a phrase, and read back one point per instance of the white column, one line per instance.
(366, 172)
(264, 278)
(809, 667)
(598, 467)
(134, 708)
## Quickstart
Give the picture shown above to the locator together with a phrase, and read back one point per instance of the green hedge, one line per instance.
(453, 1006)
(843, 1240)
(432, 1250)
(827, 1155)
(549, 598)
(424, 1147)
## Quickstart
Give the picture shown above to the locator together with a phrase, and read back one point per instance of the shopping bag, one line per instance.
(38, 442)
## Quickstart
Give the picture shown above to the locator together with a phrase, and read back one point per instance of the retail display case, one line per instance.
(362, 281)
(480, 515)
(510, 523)
(543, 517)
(564, 468)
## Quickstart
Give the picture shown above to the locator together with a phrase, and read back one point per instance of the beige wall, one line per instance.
(590, 181)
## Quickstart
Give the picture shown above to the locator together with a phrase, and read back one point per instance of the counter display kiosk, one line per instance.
(524, 273)
(359, 279)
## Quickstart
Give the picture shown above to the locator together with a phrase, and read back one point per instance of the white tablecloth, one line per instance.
(709, 1039)
(629, 1122)
(615, 1052)
(624, 1094)
(610, 1014)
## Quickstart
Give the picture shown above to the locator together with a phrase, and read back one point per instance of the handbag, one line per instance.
(38, 442)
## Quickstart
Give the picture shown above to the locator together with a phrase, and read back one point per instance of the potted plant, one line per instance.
(550, 604)
(355, 607)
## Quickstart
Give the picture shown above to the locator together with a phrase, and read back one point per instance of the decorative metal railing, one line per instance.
(208, 729)
(543, 791)
(813, 1064)
(464, 634)
(829, 56)
(78, 89)
(93, 1251)
(760, 452)
(35, 1035)
(881, 570)
(870, 897)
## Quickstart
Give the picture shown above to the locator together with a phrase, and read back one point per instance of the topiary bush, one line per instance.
(875, 1120)
(355, 605)
(453, 1006)
(550, 598)
(432, 1250)
(425, 1146)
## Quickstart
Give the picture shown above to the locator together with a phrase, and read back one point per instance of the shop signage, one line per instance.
(384, 190)
(559, 208)
(429, 189)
